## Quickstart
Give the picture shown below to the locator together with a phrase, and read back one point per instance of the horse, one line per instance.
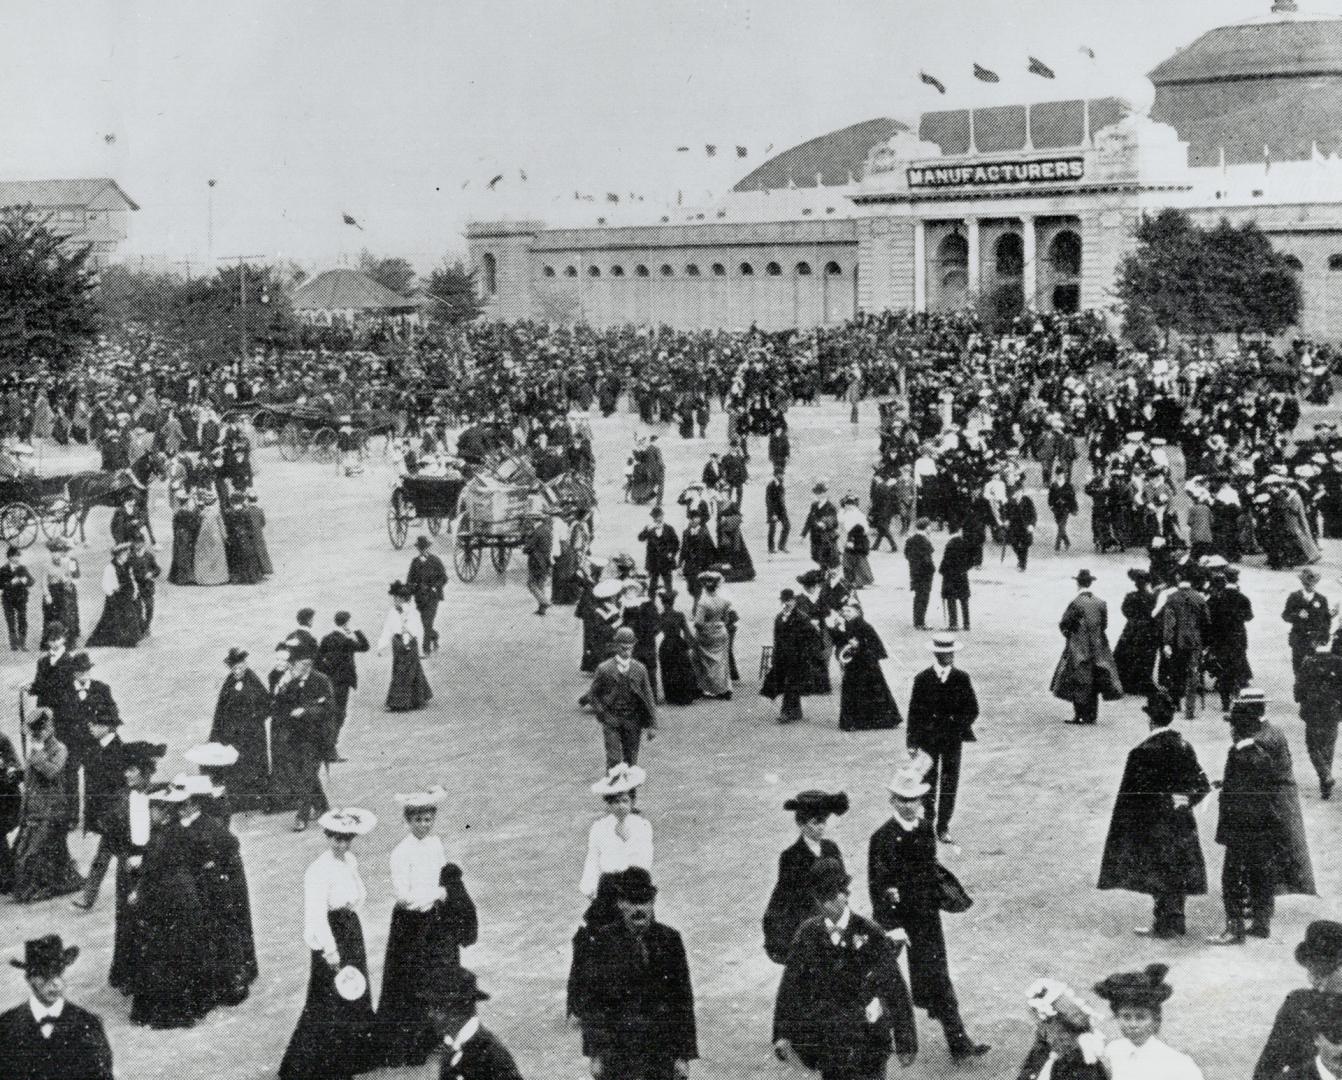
(87, 490)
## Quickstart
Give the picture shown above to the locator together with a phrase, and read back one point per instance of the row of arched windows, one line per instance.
(771, 269)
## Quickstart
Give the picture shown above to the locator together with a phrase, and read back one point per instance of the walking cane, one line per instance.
(23, 724)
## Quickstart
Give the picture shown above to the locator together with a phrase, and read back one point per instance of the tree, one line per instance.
(391, 273)
(47, 309)
(454, 298)
(1189, 280)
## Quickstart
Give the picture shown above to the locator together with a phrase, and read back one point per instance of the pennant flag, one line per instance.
(109, 139)
(494, 183)
(350, 221)
(1038, 67)
(768, 148)
(1086, 50)
(740, 151)
(933, 81)
(465, 184)
(984, 75)
(612, 197)
(710, 149)
(523, 174)
(682, 149)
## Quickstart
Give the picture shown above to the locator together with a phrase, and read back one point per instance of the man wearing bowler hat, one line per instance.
(335, 660)
(470, 1051)
(639, 1020)
(104, 782)
(942, 711)
(47, 1037)
(425, 580)
(622, 698)
(1290, 1046)
(1309, 615)
(842, 1003)
(302, 737)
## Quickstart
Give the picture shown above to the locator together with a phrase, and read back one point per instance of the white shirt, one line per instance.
(836, 929)
(405, 621)
(45, 1016)
(139, 818)
(329, 884)
(942, 673)
(609, 853)
(1153, 1060)
(110, 583)
(415, 866)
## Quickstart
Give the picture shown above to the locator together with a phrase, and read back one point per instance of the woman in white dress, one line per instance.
(617, 841)
(1137, 998)
(211, 562)
(333, 1040)
(713, 618)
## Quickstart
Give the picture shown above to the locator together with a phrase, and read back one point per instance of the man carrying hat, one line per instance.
(1291, 1044)
(638, 1022)
(1086, 670)
(621, 696)
(1309, 615)
(942, 711)
(470, 1051)
(47, 1037)
(88, 704)
(425, 580)
(661, 546)
(842, 1005)
(335, 660)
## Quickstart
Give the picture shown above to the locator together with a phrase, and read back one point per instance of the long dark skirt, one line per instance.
(409, 688)
(185, 529)
(64, 609)
(121, 625)
(1135, 657)
(42, 864)
(126, 947)
(169, 981)
(403, 1024)
(334, 1037)
(679, 685)
(865, 701)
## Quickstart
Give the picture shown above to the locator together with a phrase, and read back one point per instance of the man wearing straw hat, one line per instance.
(47, 1037)
(942, 711)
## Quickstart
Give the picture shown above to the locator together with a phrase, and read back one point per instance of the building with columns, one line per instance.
(1028, 205)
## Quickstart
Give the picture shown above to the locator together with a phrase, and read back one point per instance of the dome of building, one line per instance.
(836, 158)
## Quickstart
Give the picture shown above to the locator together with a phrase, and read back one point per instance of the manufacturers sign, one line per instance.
(991, 174)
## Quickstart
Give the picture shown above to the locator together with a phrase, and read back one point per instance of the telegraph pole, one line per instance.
(242, 261)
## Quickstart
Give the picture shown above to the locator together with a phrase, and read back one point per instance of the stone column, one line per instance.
(1030, 269)
(972, 269)
(919, 265)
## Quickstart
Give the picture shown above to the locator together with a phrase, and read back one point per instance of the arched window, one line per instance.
(570, 271)
(666, 270)
(954, 281)
(747, 269)
(617, 271)
(1065, 254)
(719, 270)
(692, 270)
(491, 274)
(640, 270)
(953, 251)
(594, 271)
(833, 269)
(803, 269)
(549, 271)
(1010, 255)
(773, 269)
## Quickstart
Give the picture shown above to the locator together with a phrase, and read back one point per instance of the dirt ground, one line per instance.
(504, 735)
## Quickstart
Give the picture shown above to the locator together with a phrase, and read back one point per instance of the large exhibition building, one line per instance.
(1036, 201)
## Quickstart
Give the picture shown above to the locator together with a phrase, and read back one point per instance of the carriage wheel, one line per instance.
(399, 517)
(266, 428)
(466, 554)
(500, 556)
(18, 525)
(323, 446)
(304, 442)
(435, 525)
(56, 517)
(290, 440)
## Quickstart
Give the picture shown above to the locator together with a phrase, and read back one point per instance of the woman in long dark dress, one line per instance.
(256, 517)
(185, 529)
(240, 722)
(679, 684)
(641, 616)
(1139, 643)
(817, 660)
(733, 557)
(121, 624)
(42, 864)
(244, 564)
(11, 808)
(865, 701)
(334, 1039)
(404, 633)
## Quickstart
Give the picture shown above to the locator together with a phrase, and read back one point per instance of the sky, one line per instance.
(400, 112)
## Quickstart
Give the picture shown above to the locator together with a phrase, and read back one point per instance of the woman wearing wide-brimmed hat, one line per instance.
(1137, 999)
(121, 624)
(792, 902)
(679, 684)
(713, 618)
(334, 1036)
(865, 700)
(42, 864)
(240, 714)
(1066, 1042)
(403, 632)
(1139, 643)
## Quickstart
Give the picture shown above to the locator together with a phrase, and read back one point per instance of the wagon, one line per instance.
(30, 504)
(430, 499)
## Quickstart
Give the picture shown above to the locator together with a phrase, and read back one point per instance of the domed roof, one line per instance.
(1277, 47)
(836, 157)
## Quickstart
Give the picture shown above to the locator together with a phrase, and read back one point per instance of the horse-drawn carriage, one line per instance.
(303, 431)
(29, 505)
(430, 499)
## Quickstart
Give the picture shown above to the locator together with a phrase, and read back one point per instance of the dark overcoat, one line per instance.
(482, 1058)
(791, 903)
(1087, 664)
(795, 645)
(77, 1049)
(941, 714)
(240, 721)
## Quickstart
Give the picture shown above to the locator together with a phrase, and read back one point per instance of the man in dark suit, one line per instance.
(842, 1003)
(89, 702)
(1309, 616)
(1086, 670)
(792, 902)
(775, 511)
(425, 580)
(1183, 627)
(1318, 690)
(639, 1020)
(303, 736)
(904, 883)
(335, 660)
(47, 1037)
(1326, 1063)
(104, 784)
(922, 569)
(471, 1051)
(780, 446)
(15, 581)
(623, 700)
(957, 559)
(1021, 519)
(698, 552)
(1291, 1043)
(301, 636)
(942, 711)
(661, 548)
(712, 472)
(53, 679)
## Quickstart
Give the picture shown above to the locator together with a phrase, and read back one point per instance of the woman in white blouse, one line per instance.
(433, 918)
(334, 1037)
(403, 632)
(617, 841)
(1137, 998)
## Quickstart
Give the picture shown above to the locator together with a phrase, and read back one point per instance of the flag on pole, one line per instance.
(741, 151)
(523, 174)
(350, 221)
(1038, 67)
(710, 149)
(494, 183)
(682, 149)
(1086, 50)
(932, 81)
(612, 197)
(984, 75)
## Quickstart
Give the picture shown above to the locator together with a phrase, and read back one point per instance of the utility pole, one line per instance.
(242, 260)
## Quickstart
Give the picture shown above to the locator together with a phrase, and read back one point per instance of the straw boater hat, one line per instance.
(352, 821)
(607, 588)
(212, 755)
(943, 643)
(908, 780)
(168, 794)
(622, 778)
(429, 799)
